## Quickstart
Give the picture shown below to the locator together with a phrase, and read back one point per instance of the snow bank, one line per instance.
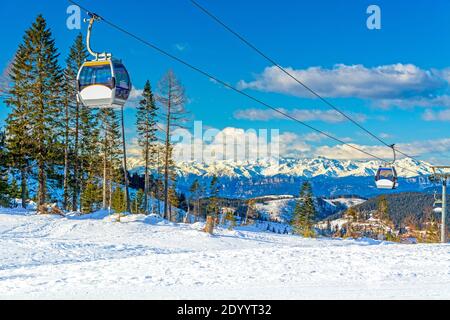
(45, 257)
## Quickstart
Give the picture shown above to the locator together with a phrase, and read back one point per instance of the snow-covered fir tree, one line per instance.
(305, 212)
(36, 83)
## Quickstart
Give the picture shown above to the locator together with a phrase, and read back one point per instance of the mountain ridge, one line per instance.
(268, 177)
(307, 168)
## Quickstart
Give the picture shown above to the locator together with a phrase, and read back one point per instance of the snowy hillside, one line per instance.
(281, 208)
(146, 258)
(345, 202)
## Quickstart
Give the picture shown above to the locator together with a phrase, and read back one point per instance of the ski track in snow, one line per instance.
(45, 257)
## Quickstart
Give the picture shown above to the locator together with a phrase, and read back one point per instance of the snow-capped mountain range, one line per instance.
(269, 177)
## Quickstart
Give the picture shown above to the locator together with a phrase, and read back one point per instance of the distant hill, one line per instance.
(402, 205)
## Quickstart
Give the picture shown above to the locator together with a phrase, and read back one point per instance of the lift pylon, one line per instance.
(440, 176)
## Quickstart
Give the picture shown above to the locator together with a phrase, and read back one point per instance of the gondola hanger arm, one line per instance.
(98, 56)
(395, 154)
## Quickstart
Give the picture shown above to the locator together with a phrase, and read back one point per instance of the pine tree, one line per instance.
(89, 149)
(18, 125)
(138, 203)
(214, 189)
(351, 214)
(73, 124)
(172, 99)
(90, 197)
(41, 91)
(158, 184)
(4, 189)
(173, 204)
(250, 210)
(14, 190)
(115, 171)
(383, 209)
(77, 55)
(146, 128)
(110, 147)
(118, 203)
(194, 191)
(305, 212)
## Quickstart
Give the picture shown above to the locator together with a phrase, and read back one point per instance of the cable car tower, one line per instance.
(439, 176)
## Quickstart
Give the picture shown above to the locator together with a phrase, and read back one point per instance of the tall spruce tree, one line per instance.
(118, 201)
(18, 137)
(77, 55)
(39, 77)
(383, 209)
(146, 128)
(305, 212)
(90, 197)
(138, 202)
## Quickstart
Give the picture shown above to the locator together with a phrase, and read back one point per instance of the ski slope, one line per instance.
(46, 257)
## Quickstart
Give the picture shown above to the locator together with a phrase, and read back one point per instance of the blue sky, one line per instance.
(394, 80)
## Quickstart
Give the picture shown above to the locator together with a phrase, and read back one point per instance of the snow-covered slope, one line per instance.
(345, 202)
(145, 258)
(281, 208)
(276, 209)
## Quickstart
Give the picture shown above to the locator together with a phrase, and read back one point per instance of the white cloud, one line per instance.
(313, 137)
(293, 145)
(415, 149)
(430, 115)
(426, 147)
(425, 102)
(342, 81)
(134, 98)
(346, 152)
(330, 116)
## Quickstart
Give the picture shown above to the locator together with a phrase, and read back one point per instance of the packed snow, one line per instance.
(345, 202)
(47, 257)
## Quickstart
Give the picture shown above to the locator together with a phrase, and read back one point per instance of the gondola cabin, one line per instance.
(437, 205)
(437, 208)
(386, 178)
(103, 84)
